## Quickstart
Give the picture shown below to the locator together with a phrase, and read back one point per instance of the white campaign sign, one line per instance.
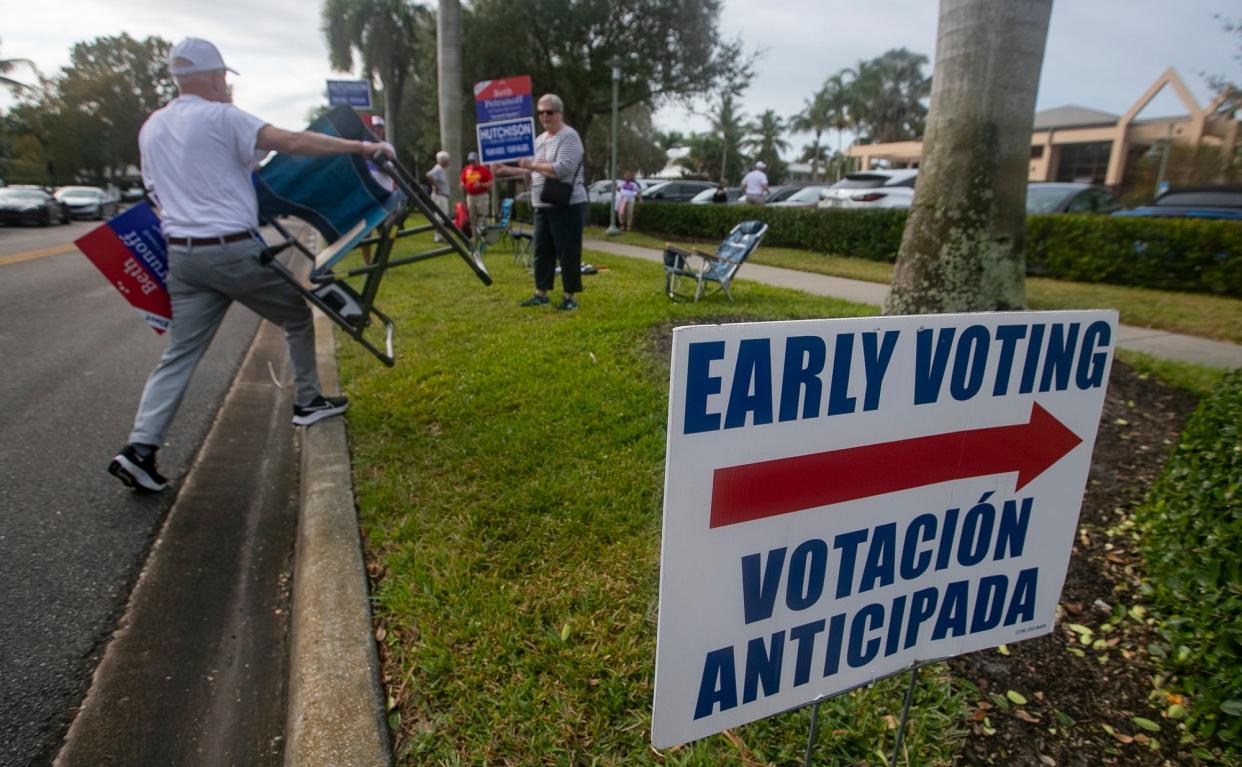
(844, 498)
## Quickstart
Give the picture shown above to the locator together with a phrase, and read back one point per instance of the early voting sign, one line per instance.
(506, 124)
(129, 251)
(844, 498)
(350, 93)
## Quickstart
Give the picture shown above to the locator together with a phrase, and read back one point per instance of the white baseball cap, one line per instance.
(761, 165)
(195, 54)
(377, 120)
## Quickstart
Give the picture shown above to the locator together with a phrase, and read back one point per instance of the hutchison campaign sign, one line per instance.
(844, 498)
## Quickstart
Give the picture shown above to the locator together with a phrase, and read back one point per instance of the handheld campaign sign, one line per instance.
(129, 251)
(506, 125)
(844, 498)
(350, 93)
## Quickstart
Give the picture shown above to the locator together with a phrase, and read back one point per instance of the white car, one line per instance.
(601, 191)
(872, 189)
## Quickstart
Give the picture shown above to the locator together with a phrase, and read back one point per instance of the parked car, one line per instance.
(676, 191)
(705, 197)
(806, 197)
(1069, 197)
(872, 189)
(601, 191)
(1218, 202)
(133, 194)
(782, 192)
(87, 202)
(30, 205)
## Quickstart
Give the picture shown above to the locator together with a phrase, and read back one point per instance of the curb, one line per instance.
(336, 710)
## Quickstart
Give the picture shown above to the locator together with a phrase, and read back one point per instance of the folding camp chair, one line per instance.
(339, 196)
(719, 267)
(520, 241)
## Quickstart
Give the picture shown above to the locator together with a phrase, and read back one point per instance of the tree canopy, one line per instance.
(82, 125)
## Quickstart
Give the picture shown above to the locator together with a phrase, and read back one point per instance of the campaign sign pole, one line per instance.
(129, 251)
(848, 499)
(505, 119)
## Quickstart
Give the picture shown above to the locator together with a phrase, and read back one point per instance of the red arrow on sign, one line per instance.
(769, 488)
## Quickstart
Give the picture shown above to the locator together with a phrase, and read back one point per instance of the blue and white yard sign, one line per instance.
(844, 498)
(506, 124)
(350, 93)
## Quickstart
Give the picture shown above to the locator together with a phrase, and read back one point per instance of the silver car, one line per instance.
(87, 202)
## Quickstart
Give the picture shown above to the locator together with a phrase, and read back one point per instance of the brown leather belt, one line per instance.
(201, 242)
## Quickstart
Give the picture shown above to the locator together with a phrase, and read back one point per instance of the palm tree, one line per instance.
(840, 115)
(8, 66)
(727, 123)
(962, 250)
(765, 137)
(381, 33)
(448, 66)
(816, 118)
(887, 95)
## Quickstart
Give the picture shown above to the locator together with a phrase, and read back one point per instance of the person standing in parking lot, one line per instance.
(197, 154)
(755, 184)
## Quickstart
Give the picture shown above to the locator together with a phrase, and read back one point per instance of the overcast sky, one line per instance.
(1101, 54)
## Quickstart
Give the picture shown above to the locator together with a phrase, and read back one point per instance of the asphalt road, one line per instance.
(73, 358)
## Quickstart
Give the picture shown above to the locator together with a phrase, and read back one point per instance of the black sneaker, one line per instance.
(137, 471)
(319, 408)
(567, 304)
(535, 300)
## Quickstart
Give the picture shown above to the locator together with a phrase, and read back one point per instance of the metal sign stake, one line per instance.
(810, 741)
(905, 713)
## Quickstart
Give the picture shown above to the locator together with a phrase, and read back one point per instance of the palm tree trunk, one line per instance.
(448, 60)
(962, 250)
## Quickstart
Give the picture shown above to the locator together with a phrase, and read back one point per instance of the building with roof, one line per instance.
(1074, 143)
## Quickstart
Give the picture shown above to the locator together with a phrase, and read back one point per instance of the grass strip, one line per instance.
(509, 476)
(1196, 314)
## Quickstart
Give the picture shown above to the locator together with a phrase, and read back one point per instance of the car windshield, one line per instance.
(1207, 199)
(805, 194)
(1044, 199)
(21, 194)
(80, 190)
(861, 181)
(703, 196)
(81, 193)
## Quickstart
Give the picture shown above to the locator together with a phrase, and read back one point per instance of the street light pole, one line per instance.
(612, 164)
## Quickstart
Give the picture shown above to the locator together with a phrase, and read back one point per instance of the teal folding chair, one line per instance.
(719, 267)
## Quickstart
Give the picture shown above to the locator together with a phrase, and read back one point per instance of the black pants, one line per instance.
(558, 237)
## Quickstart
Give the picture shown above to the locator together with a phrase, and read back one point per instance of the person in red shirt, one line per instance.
(476, 179)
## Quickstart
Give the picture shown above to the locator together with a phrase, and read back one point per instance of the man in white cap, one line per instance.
(197, 153)
(440, 184)
(755, 184)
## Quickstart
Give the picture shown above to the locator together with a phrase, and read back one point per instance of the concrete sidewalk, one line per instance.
(1158, 343)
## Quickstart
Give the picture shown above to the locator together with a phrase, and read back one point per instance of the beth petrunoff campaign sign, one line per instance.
(844, 498)
(129, 251)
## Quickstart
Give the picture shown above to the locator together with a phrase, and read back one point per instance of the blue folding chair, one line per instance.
(339, 197)
(719, 267)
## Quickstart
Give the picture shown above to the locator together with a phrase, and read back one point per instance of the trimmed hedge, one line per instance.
(1192, 525)
(1169, 254)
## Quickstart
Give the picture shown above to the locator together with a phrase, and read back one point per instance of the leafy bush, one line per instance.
(1170, 254)
(1173, 254)
(1192, 524)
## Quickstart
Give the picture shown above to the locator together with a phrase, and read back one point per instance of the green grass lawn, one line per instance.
(1195, 314)
(508, 475)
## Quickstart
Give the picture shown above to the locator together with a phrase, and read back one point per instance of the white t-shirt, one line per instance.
(197, 156)
(755, 182)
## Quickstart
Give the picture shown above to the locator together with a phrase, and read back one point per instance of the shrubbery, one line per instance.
(1192, 525)
(1168, 254)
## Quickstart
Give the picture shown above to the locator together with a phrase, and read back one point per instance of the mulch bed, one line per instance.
(1072, 699)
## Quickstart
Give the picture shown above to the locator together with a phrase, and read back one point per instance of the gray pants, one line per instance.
(202, 282)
